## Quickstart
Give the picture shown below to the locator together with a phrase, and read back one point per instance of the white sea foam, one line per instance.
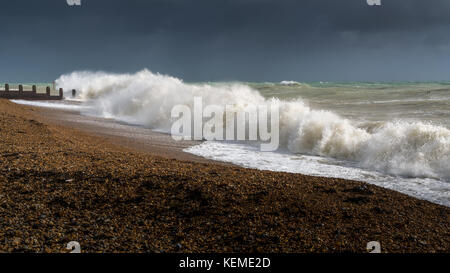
(147, 99)
(250, 156)
(289, 83)
(295, 84)
(399, 148)
(63, 105)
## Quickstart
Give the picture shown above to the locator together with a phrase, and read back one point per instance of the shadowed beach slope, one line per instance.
(59, 184)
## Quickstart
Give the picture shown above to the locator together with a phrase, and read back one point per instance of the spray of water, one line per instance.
(402, 148)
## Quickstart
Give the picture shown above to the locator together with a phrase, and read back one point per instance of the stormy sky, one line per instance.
(218, 40)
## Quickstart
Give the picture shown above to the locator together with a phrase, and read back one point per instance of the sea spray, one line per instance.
(147, 99)
(407, 148)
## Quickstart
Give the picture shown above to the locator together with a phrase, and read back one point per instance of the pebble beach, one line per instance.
(62, 183)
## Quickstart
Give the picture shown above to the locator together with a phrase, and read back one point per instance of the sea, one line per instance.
(394, 135)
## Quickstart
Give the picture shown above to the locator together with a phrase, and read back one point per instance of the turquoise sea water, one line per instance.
(360, 101)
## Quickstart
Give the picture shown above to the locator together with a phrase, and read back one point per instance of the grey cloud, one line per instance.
(229, 39)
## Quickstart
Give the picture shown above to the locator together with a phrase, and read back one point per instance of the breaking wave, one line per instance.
(405, 148)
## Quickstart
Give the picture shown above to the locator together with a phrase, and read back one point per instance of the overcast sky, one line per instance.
(216, 40)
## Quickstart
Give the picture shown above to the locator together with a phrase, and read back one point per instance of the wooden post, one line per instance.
(6, 87)
(60, 93)
(20, 88)
(48, 91)
(34, 89)
(74, 92)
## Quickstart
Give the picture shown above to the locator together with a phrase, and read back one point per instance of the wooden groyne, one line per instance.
(22, 94)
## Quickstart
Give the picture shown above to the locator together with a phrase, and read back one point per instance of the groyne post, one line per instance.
(74, 93)
(26, 94)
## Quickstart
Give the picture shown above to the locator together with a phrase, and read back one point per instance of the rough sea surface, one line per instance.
(395, 135)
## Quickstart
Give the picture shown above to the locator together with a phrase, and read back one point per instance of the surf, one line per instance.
(397, 147)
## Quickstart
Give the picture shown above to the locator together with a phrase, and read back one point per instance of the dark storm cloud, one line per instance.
(254, 40)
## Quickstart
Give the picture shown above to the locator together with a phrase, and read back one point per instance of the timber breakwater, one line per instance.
(30, 92)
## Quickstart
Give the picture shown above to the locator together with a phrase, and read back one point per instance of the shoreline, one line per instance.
(136, 138)
(157, 198)
(141, 139)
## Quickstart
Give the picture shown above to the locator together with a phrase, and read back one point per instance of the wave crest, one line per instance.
(397, 147)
